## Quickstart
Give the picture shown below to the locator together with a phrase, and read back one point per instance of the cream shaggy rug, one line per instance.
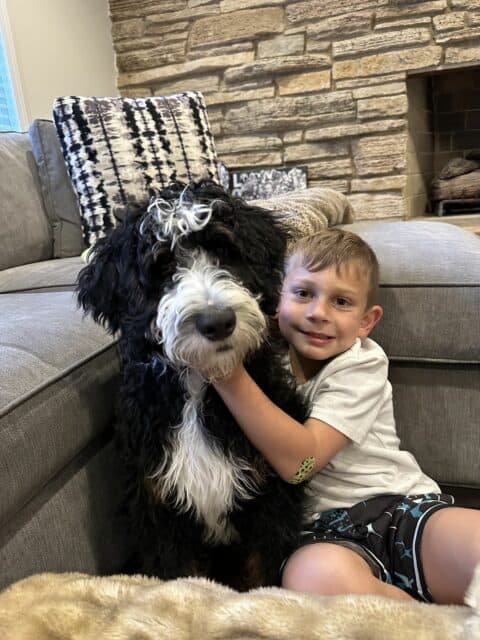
(80, 607)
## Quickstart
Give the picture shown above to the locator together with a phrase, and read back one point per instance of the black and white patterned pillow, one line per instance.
(120, 151)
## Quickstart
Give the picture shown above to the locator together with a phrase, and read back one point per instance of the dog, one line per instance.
(190, 283)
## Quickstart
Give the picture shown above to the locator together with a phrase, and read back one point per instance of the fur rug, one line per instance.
(75, 606)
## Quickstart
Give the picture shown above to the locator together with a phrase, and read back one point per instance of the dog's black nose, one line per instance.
(215, 323)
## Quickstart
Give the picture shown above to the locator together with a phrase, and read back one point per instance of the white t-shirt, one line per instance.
(352, 394)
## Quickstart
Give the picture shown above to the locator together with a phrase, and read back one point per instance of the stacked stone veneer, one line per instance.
(320, 83)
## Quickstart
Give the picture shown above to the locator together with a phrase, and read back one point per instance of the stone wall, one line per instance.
(320, 83)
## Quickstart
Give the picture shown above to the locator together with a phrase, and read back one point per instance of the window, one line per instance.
(8, 111)
(12, 107)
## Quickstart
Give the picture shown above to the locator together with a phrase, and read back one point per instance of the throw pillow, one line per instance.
(58, 196)
(120, 151)
(307, 211)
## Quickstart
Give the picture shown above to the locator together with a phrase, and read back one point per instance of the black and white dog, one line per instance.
(190, 283)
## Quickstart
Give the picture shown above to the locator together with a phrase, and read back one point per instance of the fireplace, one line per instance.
(443, 145)
(318, 84)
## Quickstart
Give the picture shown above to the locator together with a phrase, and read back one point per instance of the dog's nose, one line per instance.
(215, 323)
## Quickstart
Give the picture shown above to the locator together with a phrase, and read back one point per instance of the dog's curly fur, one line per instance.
(189, 303)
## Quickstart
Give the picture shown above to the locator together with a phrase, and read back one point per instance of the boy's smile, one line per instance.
(322, 313)
(319, 339)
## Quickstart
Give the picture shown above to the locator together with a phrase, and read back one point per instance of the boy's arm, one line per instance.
(283, 441)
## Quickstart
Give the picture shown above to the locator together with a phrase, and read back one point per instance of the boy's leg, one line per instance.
(450, 550)
(331, 569)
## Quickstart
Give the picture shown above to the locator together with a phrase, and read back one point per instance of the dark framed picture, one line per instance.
(256, 184)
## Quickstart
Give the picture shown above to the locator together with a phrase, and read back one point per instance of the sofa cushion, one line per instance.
(58, 195)
(120, 150)
(48, 275)
(436, 407)
(427, 268)
(57, 380)
(25, 235)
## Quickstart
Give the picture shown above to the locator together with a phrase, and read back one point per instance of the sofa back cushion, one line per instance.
(120, 151)
(25, 233)
(58, 195)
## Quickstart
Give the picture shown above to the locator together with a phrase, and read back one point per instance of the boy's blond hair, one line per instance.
(337, 247)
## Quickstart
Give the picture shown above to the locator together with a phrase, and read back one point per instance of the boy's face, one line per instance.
(321, 313)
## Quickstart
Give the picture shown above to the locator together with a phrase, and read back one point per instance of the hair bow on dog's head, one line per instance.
(170, 220)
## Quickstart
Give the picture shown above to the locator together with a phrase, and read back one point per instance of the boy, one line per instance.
(379, 524)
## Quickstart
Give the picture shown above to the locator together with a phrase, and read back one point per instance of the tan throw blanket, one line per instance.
(75, 606)
(310, 210)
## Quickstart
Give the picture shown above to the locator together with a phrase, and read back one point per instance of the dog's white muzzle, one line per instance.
(208, 321)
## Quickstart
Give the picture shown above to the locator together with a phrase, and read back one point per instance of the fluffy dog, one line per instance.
(190, 284)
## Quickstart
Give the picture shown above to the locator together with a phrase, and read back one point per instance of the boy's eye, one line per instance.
(341, 302)
(302, 293)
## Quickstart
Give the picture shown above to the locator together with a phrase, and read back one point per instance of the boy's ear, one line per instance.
(370, 319)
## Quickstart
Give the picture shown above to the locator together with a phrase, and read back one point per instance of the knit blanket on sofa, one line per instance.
(307, 211)
(75, 606)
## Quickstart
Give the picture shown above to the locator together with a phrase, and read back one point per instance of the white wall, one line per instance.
(62, 47)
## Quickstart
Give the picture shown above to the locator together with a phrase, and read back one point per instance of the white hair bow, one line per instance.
(170, 220)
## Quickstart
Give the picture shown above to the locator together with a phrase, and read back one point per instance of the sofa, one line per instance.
(59, 481)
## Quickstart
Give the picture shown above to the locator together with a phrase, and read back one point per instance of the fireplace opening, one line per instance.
(443, 148)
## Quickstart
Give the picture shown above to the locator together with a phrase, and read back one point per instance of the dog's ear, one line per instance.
(113, 287)
(263, 244)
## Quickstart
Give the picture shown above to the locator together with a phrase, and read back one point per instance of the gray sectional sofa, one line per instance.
(58, 481)
(59, 486)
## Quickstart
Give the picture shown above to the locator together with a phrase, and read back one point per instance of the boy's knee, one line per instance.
(322, 568)
(304, 572)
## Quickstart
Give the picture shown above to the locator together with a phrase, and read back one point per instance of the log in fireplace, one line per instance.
(443, 155)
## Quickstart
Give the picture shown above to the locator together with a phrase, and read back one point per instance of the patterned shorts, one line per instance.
(386, 532)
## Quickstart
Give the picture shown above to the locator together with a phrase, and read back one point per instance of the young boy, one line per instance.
(379, 525)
